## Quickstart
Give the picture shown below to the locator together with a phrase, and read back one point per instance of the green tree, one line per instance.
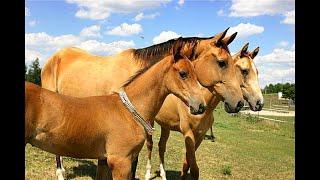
(289, 92)
(278, 88)
(25, 72)
(269, 88)
(34, 72)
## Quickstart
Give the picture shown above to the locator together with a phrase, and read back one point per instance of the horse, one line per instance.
(244, 65)
(173, 116)
(74, 72)
(113, 126)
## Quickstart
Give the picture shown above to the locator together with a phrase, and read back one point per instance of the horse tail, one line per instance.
(50, 73)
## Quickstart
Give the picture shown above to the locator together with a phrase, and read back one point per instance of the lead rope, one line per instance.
(125, 100)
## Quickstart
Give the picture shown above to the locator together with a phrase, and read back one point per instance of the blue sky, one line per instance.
(110, 26)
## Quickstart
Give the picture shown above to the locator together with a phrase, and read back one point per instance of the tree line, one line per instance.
(287, 89)
(33, 72)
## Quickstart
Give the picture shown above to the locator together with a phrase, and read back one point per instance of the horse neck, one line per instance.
(211, 99)
(147, 93)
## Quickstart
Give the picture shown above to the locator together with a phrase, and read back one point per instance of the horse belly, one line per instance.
(89, 149)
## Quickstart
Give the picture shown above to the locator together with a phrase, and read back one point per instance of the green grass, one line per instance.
(272, 99)
(226, 170)
(244, 149)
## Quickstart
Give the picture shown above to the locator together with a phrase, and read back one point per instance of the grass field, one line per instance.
(272, 99)
(245, 148)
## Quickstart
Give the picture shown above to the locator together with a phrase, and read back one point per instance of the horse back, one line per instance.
(62, 59)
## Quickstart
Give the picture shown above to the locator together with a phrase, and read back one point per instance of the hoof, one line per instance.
(60, 173)
(148, 175)
(162, 172)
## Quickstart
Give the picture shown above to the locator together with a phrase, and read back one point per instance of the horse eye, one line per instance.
(183, 74)
(222, 64)
(244, 72)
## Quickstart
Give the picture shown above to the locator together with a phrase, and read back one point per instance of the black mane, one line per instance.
(152, 54)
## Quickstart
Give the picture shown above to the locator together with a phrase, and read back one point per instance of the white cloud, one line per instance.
(165, 36)
(278, 55)
(289, 17)
(126, 29)
(141, 16)
(220, 12)
(293, 47)
(274, 75)
(245, 8)
(102, 48)
(245, 30)
(276, 67)
(98, 10)
(43, 40)
(32, 23)
(43, 45)
(26, 11)
(91, 31)
(181, 2)
(31, 55)
(283, 44)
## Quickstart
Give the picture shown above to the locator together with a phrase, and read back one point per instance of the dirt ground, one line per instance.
(269, 113)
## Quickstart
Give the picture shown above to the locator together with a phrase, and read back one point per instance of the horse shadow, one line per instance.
(88, 168)
(208, 137)
(174, 175)
(85, 168)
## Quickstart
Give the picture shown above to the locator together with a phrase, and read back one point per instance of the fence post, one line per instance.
(270, 103)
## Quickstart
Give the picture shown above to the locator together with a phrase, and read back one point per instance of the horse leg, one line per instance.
(162, 149)
(102, 169)
(60, 170)
(134, 167)
(186, 165)
(149, 147)
(120, 167)
(190, 157)
(211, 135)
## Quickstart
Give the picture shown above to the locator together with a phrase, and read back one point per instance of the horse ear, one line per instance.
(220, 36)
(244, 50)
(254, 53)
(176, 48)
(229, 39)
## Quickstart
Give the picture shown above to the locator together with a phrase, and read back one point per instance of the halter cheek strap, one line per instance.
(125, 100)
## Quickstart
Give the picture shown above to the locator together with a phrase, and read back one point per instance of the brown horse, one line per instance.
(101, 127)
(252, 92)
(74, 72)
(174, 116)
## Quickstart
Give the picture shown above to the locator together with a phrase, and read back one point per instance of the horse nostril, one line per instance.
(240, 104)
(201, 108)
(259, 103)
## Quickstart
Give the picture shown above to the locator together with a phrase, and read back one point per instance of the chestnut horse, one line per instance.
(174, 116)
(101, 127)
(74, 72)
